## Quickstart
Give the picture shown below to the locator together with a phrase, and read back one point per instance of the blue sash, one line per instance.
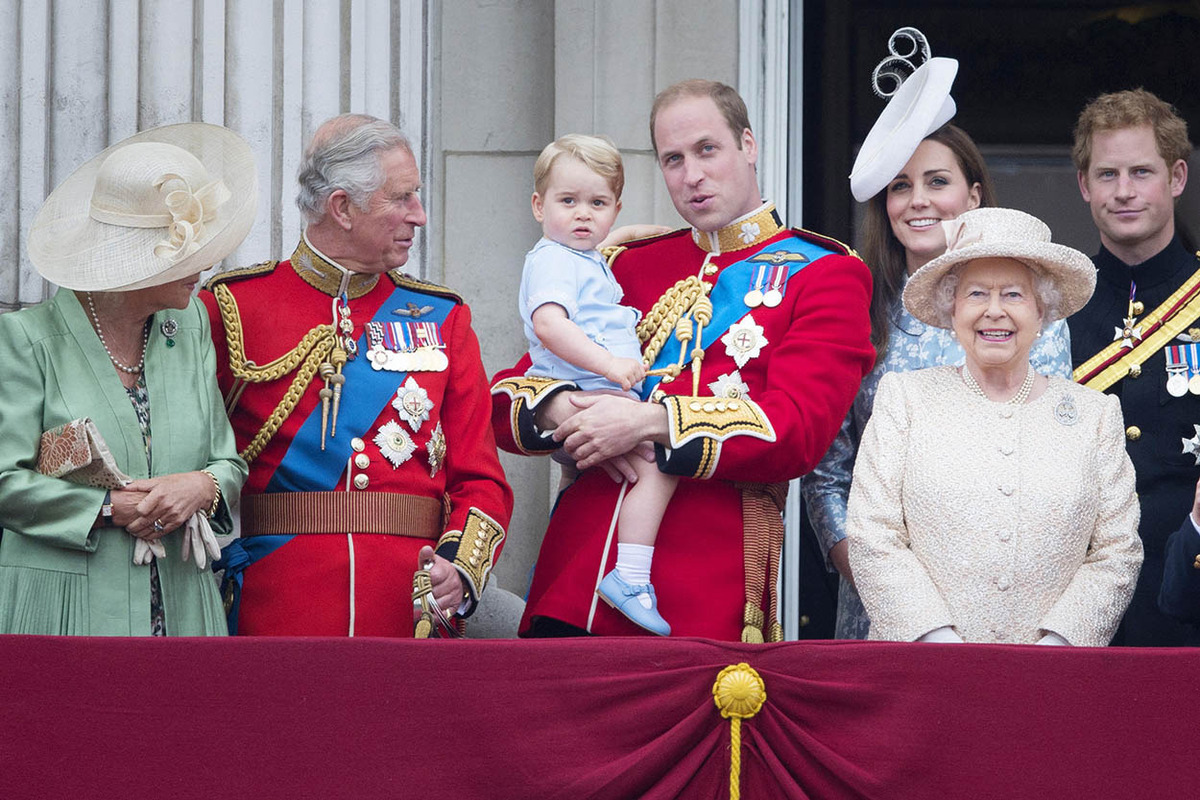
(306, 467)
(728, 299)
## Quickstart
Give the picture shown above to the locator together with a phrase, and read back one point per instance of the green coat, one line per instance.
(58, 575)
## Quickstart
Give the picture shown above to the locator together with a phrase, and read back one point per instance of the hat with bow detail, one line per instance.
(161, 205)
(1002, 233)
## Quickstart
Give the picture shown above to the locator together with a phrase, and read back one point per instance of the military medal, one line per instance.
(406, 347)
(744, 340)
(754, 297)
(1192, 445)
(413, 403)
(436, 447)
(1177, 369)
(774, 295)
(394, 443)
(1131, 333)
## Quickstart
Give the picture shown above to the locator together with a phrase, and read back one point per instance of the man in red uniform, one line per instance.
(358, 397)
(762, 337)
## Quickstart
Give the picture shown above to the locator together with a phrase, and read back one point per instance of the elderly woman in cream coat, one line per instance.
(990, 503)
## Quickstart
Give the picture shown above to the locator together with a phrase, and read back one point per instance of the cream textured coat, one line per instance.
(1005, 522)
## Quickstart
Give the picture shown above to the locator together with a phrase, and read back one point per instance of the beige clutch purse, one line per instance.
(76, 452)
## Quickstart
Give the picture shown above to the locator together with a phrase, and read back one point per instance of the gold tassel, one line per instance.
(739, 693)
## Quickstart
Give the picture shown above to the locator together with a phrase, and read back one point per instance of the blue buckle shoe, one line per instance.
(623, 597)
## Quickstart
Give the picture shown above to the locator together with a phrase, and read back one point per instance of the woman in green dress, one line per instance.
(125, 345)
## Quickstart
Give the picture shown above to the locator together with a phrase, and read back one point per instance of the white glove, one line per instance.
(1052, 638)
(942, 635)
(144, 551)
(199, 540)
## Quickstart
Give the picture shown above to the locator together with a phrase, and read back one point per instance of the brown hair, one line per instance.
(882, 251)
(597, 153)
(726, 98)
(1131, 108)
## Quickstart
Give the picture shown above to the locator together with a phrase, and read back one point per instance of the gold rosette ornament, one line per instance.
(739, 693)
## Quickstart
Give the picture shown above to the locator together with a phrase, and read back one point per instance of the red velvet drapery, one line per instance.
(614, 718)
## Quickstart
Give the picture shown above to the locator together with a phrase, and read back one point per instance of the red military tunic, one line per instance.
(775, 383)
(425, 434)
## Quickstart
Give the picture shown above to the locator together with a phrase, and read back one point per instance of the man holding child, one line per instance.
(756, 338)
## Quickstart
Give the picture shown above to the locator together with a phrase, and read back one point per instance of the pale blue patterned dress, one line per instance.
(912, 345)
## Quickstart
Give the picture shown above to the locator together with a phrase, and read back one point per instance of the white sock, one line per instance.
(633, 562)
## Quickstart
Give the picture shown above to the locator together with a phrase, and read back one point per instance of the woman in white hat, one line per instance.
(125, 345)
(991, 503)
(914, 171)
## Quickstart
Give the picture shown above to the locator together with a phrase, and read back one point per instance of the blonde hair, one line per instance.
(1131, 109)
(597, 153)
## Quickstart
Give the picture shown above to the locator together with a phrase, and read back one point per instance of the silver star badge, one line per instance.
(1192, 445)
(395, 443)
(744, 340)
(413, 403)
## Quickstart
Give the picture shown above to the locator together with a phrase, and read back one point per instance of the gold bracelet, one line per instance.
(216, 498)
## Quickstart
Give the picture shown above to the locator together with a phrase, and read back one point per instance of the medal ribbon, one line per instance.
(306, 467)
(727, 299)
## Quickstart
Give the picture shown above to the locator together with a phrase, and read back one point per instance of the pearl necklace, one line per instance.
(1017, 399)
(135, 369)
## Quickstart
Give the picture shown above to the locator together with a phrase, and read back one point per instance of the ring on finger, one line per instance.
(158, 526)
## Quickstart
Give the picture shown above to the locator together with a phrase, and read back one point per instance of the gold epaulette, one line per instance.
(406, 281)
(611, 252)
(828, 242)
(240, 273)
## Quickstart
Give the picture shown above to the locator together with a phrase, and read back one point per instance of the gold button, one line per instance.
(361, 461)
(1194, 333)
(710, 269)
(1135, 371)
(1133, 433)
(804, 620)
(361, 481)
(1138, 308)
(357, 444)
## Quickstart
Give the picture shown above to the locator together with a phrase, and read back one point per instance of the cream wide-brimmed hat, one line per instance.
(161, 205)
(1002, 233)
(918, 107)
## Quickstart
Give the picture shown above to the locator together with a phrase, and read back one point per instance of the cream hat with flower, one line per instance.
(161, 205)
(1002, 233)
(919, 105)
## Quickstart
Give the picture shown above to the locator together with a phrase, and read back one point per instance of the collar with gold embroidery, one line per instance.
(325, 275)
(754, 228)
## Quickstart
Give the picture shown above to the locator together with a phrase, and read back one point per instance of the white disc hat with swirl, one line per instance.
(161, 205)
(920, 104)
